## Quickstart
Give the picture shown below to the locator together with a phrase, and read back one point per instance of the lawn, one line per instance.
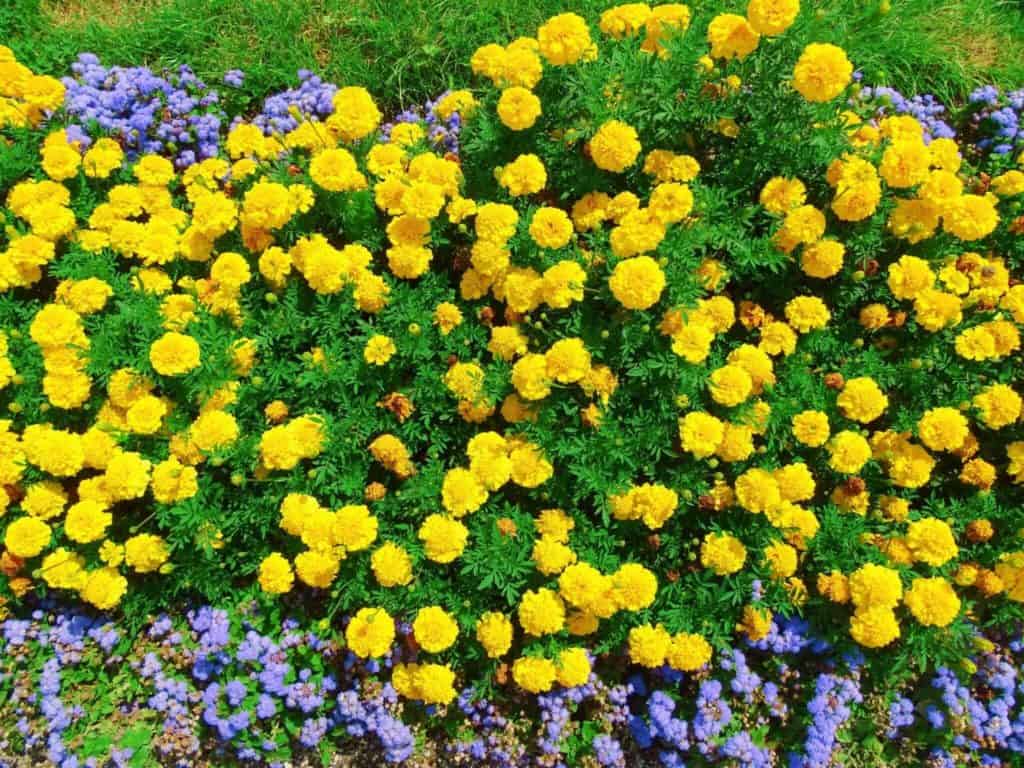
(412, 49)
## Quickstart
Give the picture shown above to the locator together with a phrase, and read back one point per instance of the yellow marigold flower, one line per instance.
(932, 602)
(534, 674)
(391, 565)
(541, 612)
(126, 476)
(862, 400)
(795, 481)
(731, 36)
(807, 313)
(637, 283)
(276, 576)
(494, 632)
(316, 568)
(781, 195)
(550, 228)
(874, 627)
(370, 633)
(86, 521)
(822, 72)
(875, 586)
(943, 429)
(634, 587)
(648, 645)
(461, 492)
(564, 39)
(823, 259)
(518, 108)
(615, 146)
(104, 588)
(931, 541)
(145, 552)
(811, 428)
(730, 385)
(555, 524)
(692, 342)
(563, 284)
(465, 381)
(970, 217)
(523, 176)
(905, 163)
(737, 443)
(444, 538)
(355, 114)
(772, 17)
(44, 500)
(999, 406)
(755, 623)
(26, 537)
(757, 490)
(174, 354)
(573, 667)
(354, 528)
(688, 652)
(550, 556)
(781, 559)
(62, 569)
(848, 452)
(530, 377)
(379, 349)
(722, 553)
(834, 586)
(447, 317)
(568, 361)
(435, 629)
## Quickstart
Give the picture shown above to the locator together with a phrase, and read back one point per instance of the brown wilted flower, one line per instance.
(979, 531)
(751, 315)
(10, 565)
(375, 492)
(834, 380)
(854, 486)
(400, 405)
(591, 416)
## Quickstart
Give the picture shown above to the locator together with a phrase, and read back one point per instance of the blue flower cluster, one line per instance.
(440, 131)
(998, 119)
(175, 114)
(931, 113)
(311, 100)
(225, 686)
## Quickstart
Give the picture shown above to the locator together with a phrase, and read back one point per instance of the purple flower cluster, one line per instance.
(177, 115)
(174, 114)
(311, 100)
(219, 686)
(997, 119)
(925, 108)
(440, 131)
(830, 710)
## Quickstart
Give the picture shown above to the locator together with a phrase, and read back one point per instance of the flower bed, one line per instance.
(662, 386)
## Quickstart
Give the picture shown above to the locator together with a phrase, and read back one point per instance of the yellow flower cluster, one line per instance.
(780, 430)
(25, 97)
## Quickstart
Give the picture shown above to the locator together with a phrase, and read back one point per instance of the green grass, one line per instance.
(406, 50)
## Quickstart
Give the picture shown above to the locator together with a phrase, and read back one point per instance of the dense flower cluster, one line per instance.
(218, 685)
(602, 381)
(997, 118)
(26, 98)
